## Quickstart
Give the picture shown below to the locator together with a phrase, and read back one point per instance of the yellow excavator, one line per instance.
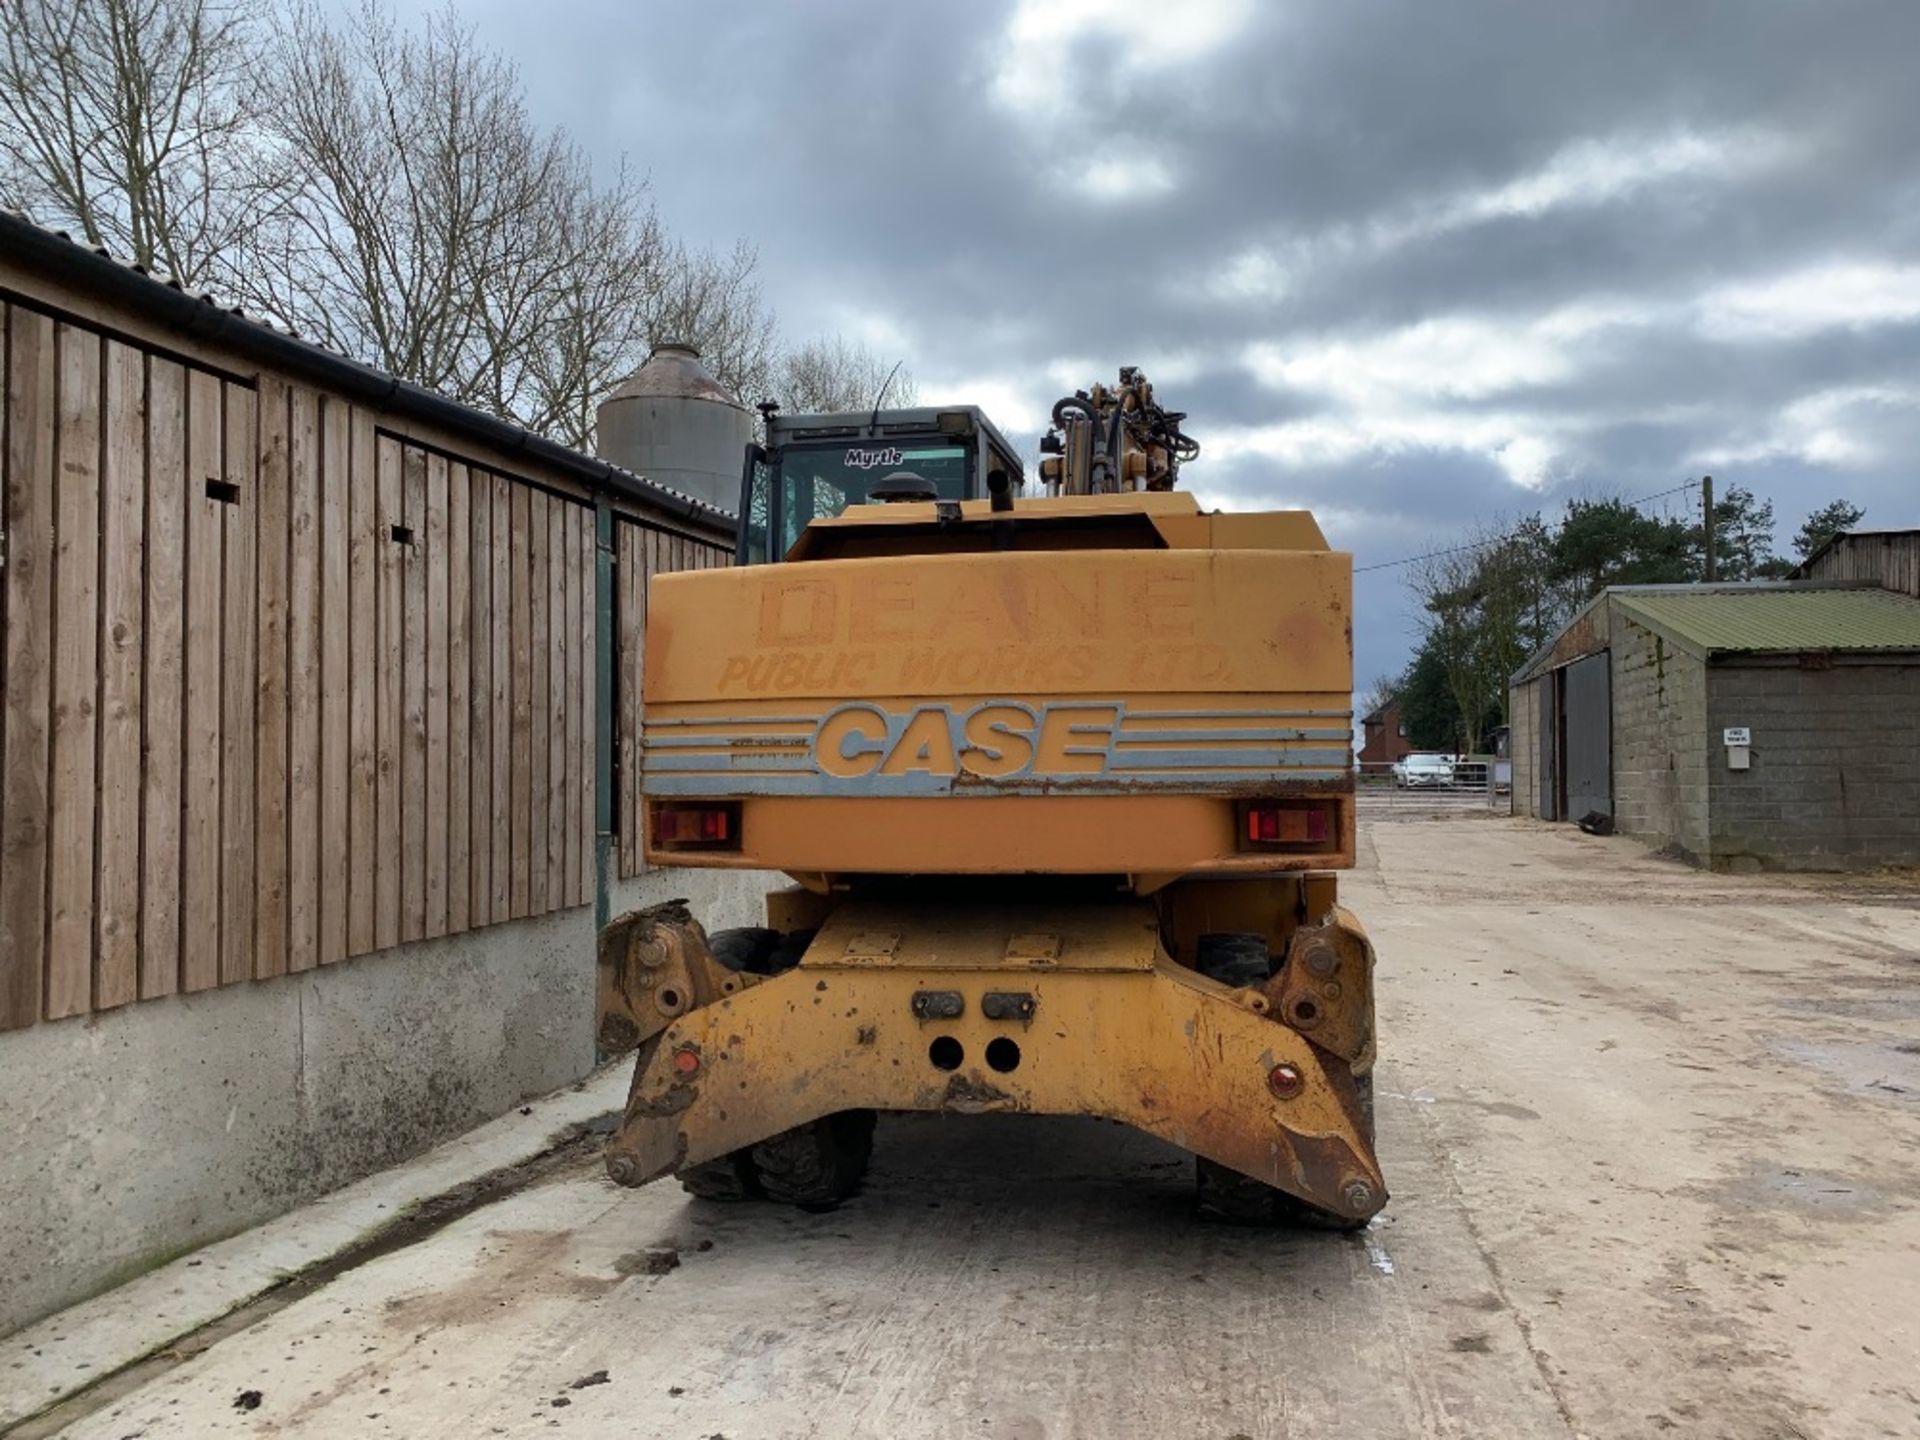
(1060, 781)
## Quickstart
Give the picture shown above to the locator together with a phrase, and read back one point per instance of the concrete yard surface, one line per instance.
(1654, 1144)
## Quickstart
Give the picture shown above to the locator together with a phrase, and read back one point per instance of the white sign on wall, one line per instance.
(1738, 735)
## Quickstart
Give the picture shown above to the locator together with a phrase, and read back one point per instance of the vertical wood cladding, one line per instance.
(281, 687)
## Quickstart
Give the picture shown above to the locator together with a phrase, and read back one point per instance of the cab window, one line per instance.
(817, 482)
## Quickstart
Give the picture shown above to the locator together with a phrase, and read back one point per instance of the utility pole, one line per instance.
(1706, 519)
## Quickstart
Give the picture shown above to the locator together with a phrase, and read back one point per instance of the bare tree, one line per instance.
(379, 188)
(827, 376)
(1380, 694)
(711, 299)
(131, 121)
(435, 229)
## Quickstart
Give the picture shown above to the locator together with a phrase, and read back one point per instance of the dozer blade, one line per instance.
(1072, 1010)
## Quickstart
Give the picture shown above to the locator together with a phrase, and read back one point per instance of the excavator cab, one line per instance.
(812, 467)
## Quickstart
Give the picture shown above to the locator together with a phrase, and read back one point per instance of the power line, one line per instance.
(1688, 487)
(1430, 555)
(1498, 539)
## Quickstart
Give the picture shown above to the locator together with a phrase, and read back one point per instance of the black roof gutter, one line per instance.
(199, 318)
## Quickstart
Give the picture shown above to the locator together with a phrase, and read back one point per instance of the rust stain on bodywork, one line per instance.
(1139, 1027)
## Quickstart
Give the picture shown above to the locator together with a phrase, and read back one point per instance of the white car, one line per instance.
(1423, 771)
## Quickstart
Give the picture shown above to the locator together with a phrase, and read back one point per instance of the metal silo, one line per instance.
(674, 424)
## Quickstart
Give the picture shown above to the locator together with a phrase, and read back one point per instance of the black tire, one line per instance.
(1223, 1193)
(819, 1164)
(1364, 1085)
(730, 1178)
(787, 953)
(1233, 959)
(746, 949)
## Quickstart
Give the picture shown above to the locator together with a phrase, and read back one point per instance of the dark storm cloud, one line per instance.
(1417, 265)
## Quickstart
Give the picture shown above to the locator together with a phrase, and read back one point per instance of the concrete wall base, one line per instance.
(133, 1135)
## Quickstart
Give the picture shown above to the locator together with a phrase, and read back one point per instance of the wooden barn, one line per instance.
(315, 687)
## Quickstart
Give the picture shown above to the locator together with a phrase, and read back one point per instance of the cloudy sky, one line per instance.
(1416, 266)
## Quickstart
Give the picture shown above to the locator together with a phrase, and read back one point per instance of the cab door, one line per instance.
(756, 509)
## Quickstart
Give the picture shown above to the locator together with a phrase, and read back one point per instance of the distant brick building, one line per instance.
(1384, 736)
(1755, 726)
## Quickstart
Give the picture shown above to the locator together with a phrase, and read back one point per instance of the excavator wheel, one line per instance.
(748, 949)
(754, 950)
(1234, 959)
(1223, 1193)
(819, 1164)
(757, 950)
(786, 954)
(729, 1178)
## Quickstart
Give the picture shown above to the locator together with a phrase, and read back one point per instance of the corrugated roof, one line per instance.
(1813, 618)
(222, 323)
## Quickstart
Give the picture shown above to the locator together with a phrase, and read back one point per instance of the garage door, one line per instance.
(1586, 709)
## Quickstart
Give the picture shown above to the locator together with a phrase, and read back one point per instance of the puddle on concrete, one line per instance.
(1895, 1002)
(1771, 1186)
(1884, 1068)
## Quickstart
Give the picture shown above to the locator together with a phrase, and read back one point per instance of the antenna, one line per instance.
(885, 386)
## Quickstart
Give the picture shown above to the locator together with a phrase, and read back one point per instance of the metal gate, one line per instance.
(1586, 730)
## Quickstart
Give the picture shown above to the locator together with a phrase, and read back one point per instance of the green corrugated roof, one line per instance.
(1811, 619)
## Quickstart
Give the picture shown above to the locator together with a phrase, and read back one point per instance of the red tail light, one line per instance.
(696, 826)
(1304, 823)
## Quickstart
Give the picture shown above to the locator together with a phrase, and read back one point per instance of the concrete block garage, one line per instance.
(1763, 726)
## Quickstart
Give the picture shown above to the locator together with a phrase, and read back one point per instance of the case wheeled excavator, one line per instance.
(1060, 781)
